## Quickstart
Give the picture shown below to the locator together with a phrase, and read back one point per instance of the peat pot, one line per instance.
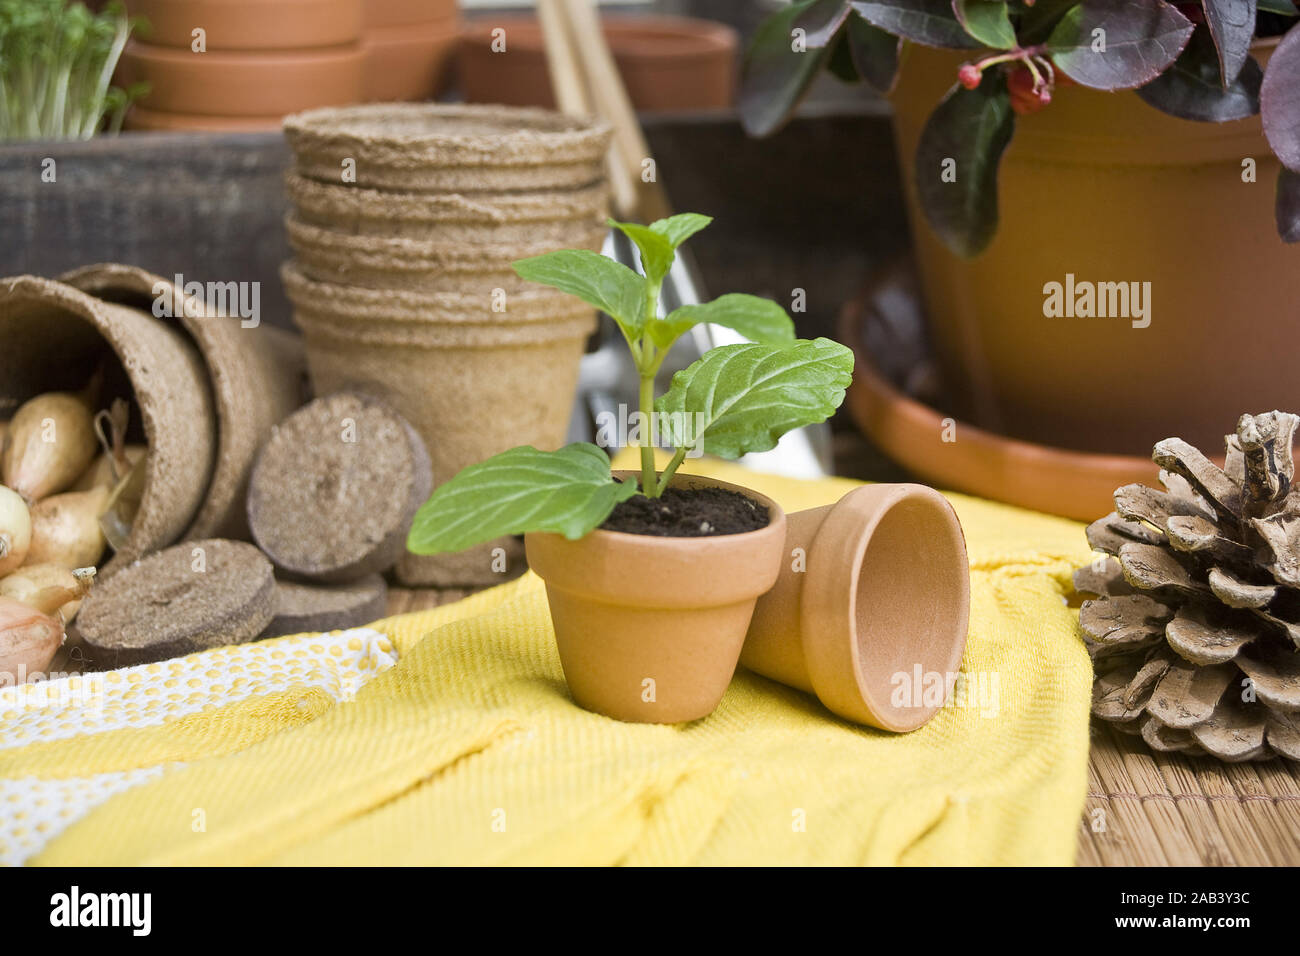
(650, 628)
(1102, 188)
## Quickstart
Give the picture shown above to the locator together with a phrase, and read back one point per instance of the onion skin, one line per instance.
(49, 588)
(28, 641)
(65, 529)
(15, 530)
(36, 468)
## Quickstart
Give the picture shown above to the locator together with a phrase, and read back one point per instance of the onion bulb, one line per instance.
(51, 441)
(15, 530)
(49, 588)
(65, 529)
(29, 640)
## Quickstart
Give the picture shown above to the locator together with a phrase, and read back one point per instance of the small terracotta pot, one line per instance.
(398, 13)
(873, 598)
(231, 25)
(667, 63)
(426, 147)
(414, 265)
(258, 84)
(553, 217)
(649, 628)
(408, 62)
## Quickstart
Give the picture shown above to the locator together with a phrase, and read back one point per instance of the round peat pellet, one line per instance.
(300, 608)
(336, 486)
(190, 597)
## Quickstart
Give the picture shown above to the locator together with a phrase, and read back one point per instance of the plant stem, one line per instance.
(678, 457)
(649, 487)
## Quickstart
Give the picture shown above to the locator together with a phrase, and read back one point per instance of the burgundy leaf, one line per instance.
(776, 75)
(875, 53)
(1279, 101)
(1118, 44)
(1191, 88)
(1232, 24)
(928, 22)
(822, 20)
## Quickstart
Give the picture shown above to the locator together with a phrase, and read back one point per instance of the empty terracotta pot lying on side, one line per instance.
(649, 628)
(872, 591)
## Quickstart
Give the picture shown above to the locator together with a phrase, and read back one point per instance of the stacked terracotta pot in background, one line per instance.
(410, 46)
(404, 222)
(241, 64)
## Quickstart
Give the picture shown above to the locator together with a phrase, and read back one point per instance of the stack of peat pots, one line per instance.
(404, 221)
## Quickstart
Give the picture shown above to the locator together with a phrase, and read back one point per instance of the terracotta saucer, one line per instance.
(1072, 484)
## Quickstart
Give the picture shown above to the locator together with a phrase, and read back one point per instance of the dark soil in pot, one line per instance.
(689, 513)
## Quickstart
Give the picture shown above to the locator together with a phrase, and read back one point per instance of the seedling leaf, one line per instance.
(608, 285)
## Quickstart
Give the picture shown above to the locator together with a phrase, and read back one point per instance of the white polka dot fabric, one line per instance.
(34, 810)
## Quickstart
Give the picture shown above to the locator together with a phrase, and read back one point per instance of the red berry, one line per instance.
(1024, 98)
(969, 75)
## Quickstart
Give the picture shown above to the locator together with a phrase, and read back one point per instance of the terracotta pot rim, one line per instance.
(151, 53)
(447, 25)
(145, 120)
(698, 37)
(600, 544)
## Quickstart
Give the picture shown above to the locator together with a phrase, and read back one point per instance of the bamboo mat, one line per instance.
(1145, 809)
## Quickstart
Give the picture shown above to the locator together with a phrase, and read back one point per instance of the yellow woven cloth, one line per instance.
(468, 750)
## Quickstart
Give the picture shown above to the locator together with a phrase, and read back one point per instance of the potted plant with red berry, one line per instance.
(1102, 194)
(651, 575)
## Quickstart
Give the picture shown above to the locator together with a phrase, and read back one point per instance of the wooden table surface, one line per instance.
(1146, 809)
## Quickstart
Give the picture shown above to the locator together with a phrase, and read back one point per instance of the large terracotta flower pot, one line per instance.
(230, 25)
(872, 602)
(255, 83)
(1102, 187)
(649, 628)
(667, 63)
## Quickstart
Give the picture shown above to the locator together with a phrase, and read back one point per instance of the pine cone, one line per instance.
(1195, 632)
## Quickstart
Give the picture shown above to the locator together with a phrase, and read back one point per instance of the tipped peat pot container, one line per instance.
(650, 628)
(871, 590)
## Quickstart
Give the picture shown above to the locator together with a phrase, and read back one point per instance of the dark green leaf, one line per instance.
(957, 163)
(1232, 24)
(1036, 22)
(1284, 7)
(928, 22)
(1287, 205)
(1118, 44)
(821, 20)
(656, 251)
(1279, 101)
(743, 398)
(987, 21)
(568, 492)
(875, 53)
(757, 319)
(775, 74)
(840, 63)
(608, 285)
(677, 229)
(1191, 88)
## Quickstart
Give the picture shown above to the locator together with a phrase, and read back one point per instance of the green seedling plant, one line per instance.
(56, 65)
(733, 400)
